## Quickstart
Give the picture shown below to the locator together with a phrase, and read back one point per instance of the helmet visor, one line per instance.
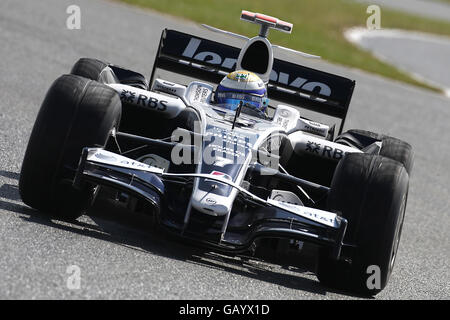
(231, 100)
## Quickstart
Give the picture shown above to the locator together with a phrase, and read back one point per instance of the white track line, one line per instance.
(355, 35)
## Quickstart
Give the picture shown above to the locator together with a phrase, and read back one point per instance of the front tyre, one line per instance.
(371, 193)
(76, 113)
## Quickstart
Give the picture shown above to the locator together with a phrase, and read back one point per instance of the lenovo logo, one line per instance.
(191, 51)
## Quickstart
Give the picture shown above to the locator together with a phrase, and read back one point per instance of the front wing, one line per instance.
(272, 219)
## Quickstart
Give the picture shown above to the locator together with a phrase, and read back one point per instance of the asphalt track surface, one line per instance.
(118, 255)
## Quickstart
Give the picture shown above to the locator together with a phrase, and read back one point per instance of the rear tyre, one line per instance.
(76, 113)
(371, 193)
(89, 68)
(391, 147)
(106, 73)
(398, 150)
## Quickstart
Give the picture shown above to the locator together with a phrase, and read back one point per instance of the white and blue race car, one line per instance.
(222, 165)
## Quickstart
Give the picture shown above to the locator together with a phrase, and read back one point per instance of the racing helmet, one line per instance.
(242, 86)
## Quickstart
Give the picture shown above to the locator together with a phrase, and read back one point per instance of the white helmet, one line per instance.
(242, 86)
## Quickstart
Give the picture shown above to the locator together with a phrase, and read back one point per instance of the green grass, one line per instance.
(318, 26)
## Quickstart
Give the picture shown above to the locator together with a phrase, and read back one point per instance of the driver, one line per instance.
(243, 86)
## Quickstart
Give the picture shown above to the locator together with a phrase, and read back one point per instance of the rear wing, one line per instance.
(289, 83)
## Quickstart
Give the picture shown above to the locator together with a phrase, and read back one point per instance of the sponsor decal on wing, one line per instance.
(320, 216)
(113, 159)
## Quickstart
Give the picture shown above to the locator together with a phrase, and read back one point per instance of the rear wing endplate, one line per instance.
(289, 83)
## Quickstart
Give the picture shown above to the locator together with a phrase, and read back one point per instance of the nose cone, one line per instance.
(211, 204)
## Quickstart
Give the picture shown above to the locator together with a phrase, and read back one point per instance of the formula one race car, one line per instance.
(220, 164)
